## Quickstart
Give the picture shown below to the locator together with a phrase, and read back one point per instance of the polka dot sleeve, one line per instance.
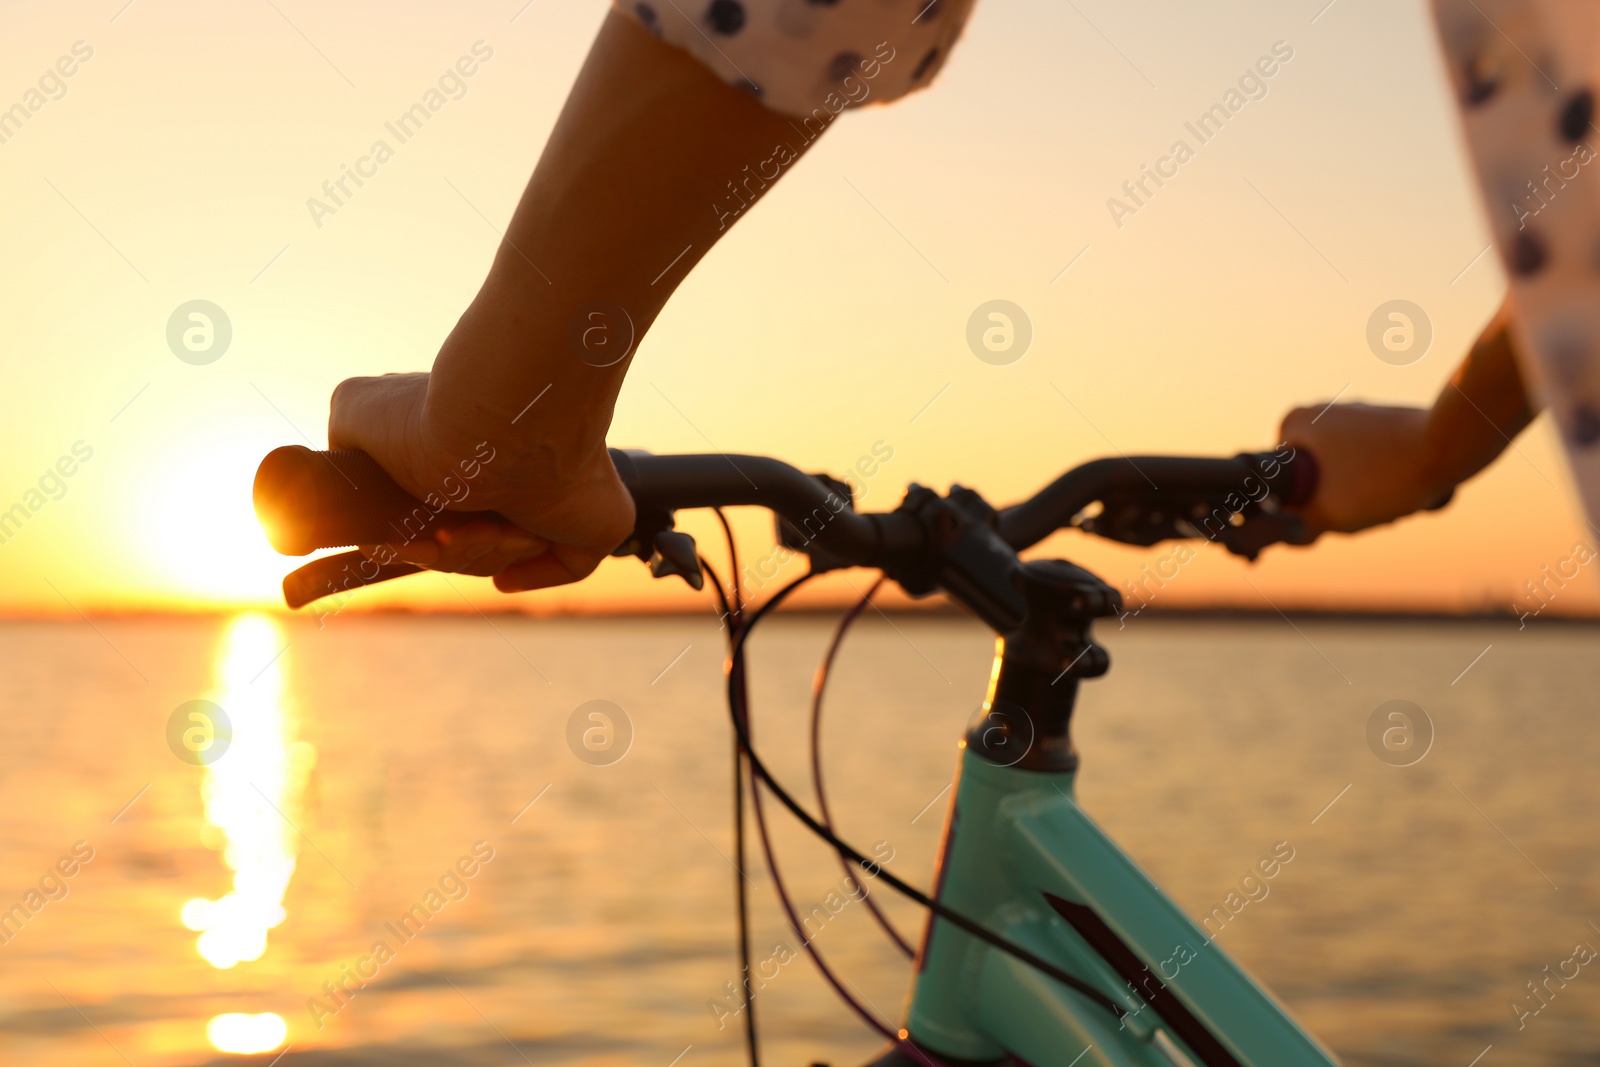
(1532, 145)
(811, 58)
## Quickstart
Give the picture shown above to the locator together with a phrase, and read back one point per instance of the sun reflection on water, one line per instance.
(236, 1032)
(251, 793)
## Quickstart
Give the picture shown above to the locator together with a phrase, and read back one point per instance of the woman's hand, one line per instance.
(1378, 464)
(566, 507)
(1373, 464)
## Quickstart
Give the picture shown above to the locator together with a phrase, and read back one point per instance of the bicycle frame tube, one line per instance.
(1021, 855)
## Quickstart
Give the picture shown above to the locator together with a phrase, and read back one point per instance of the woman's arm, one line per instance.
(647, 167)
(1380, 463)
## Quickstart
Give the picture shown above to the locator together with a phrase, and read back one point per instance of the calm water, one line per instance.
(371, 758)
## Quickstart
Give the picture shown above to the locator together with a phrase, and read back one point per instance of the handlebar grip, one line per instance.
(1303, 476)
(306, 500)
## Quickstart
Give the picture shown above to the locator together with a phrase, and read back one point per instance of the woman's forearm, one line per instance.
(652, 160)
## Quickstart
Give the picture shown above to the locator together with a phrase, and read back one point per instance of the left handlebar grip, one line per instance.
(306, 500)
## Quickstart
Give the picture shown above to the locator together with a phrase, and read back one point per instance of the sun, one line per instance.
(200, 534)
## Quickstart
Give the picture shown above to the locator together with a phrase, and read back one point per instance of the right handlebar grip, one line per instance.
(306, 500)
(1303, 475)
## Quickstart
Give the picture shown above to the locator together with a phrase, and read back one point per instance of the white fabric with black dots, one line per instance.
(811, 58)
(1525, 74)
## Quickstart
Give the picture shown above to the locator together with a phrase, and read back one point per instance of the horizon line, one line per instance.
(942, 609)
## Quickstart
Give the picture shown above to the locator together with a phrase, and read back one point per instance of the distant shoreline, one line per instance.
(937, 610)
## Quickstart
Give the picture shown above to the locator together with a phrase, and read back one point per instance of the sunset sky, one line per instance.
(176, 162)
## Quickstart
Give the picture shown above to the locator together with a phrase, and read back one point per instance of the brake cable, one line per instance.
(782, 890)
(732, 616)
(741, 709)
(818, 686)
(942, 910)
(739, 705)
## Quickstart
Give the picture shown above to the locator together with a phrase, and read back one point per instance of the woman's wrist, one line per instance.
(1420, 467)
(1438, 464)
(506, 376)
(1477, 413)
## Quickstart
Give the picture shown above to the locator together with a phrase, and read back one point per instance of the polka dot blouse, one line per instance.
(811, 58)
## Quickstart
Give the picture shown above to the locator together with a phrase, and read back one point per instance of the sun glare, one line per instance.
(250, 793)
(200, 528)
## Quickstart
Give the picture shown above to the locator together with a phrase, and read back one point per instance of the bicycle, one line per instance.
(1045, 944)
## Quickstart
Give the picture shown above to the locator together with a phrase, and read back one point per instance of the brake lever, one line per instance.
(341, 573)
(674, 553)
(1260, 530)
(1144, 519)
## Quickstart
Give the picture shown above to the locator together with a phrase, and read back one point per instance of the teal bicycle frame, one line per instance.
(1023, 858)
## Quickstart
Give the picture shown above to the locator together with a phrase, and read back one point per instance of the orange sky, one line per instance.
(178, 159)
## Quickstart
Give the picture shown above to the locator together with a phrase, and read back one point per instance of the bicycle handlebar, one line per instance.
(664, 484)
(1189, 479)
(308, 500)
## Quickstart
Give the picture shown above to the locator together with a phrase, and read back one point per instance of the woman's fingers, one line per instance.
(479, 547)
(559, 566)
